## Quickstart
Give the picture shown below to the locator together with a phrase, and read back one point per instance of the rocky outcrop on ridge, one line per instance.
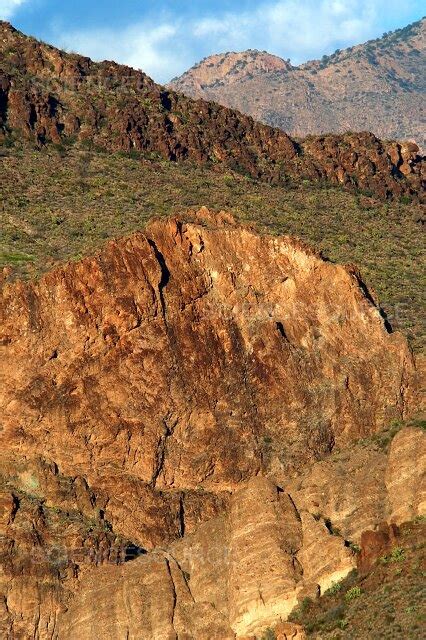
(47, 95)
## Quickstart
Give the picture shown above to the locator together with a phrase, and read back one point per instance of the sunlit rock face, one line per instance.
(406, 475)
(178, 356)
(181, 392)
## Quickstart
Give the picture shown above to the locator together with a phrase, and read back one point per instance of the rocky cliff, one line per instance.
(47, 95)
(378, 86)
(173, 411)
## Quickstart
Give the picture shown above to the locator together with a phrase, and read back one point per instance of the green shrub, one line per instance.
(269, 634)
(420, 518)
(61, 149)
(334, 614)
(335, 588)
(15, 258)
(353, 593)
(396, 555)
(301, 610)
(228, 180)
(134, 154)
(8, 142)
(305, 604)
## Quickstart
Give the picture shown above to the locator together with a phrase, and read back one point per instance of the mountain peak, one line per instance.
(230, 67)
(376, 86)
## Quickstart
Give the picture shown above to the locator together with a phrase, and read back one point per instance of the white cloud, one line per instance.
(8, 8)
(150, 48)
(299, 30)
(288, 28)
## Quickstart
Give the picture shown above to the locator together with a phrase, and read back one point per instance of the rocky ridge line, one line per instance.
(49, 96)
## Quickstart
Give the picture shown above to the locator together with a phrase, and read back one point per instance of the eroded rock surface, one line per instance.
(148, 391)
(264, 574)
(406, 475)
(236, 576)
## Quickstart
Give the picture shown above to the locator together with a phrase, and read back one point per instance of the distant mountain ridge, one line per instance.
(48, 95)
(379, 86)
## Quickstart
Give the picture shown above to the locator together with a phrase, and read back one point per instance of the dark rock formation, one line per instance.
(48, 95)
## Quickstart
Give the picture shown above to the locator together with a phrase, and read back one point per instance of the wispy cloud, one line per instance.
(143, 46)
(9, 7)
(289, 28)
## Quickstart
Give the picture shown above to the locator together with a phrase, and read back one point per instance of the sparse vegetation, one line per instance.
(383, 439)
(352, 593)
(396, 555)
(335, 588)
(354, 547)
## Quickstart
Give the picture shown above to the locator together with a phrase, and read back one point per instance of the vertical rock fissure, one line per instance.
(4, 102)
(185, 575)
(250, 393)
(161, 453)
(366, 293)
(165, 275)
(182, 515)
(174, 593)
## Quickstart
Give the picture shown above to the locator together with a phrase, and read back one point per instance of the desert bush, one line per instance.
(335, 588)
(353, 593)
(396, 555)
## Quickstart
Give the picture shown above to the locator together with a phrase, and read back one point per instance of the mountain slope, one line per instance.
(48, 95)
(378, 86)
(191, 438)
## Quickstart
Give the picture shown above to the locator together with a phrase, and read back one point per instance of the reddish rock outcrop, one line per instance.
(375, 544)
(143, 392)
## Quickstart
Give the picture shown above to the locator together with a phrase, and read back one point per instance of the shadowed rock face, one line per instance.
(48, 95)
(145, 389)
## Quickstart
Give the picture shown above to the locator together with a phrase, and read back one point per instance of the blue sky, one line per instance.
(166, 38)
